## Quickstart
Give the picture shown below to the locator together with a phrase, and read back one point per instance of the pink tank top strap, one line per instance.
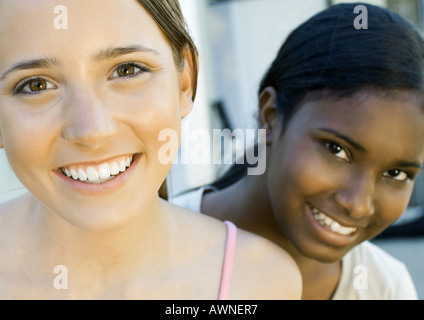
(227, 267)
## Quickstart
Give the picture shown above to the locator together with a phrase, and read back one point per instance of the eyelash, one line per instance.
(142, 69)
(19, 90)
(408, 175)
(329, 144)
(20, 87)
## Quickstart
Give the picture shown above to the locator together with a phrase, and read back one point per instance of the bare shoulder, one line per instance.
(198, 221)
(263, 270)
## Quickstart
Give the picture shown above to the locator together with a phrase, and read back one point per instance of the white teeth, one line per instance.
(114, 169)
(99, 174)
(122, 166)
(74, 174)
(92, 174)
(82, 175)
(329, 223)
(128, 162)
(68, 173)
(104, 171)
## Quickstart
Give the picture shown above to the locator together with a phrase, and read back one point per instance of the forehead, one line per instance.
(393, 123)
(31, 29)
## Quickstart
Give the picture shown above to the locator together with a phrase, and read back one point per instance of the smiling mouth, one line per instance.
(99, 173)
(330, 224)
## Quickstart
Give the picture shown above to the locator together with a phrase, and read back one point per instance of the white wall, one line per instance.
(245, 37)
(10, 186)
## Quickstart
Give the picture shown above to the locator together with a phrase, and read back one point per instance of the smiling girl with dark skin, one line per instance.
(344, 114)
(81, 110)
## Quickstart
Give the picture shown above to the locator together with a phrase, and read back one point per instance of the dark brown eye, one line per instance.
(394, 173)
(34, 86)
(37, 85)
(337, 150)
(125, 70)
(397, 174)
(334, 148)
(128, 70)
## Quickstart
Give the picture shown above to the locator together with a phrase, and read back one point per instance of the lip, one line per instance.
(328, 236)
(101, 188)
(96, 162)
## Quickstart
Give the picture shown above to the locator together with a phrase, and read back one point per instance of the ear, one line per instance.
(188, 80)
(268, 114)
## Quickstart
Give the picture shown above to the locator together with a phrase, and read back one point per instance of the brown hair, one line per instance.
(168, 16)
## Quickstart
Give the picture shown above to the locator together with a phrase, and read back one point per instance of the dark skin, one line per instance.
(364, 183)
(319, 279)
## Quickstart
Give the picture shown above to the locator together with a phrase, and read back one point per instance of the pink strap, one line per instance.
(228, 260)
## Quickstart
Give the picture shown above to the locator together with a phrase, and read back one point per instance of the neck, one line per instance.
(240, 202)
(117, 252)
(320, 279)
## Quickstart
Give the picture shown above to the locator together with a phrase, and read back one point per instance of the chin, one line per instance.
(327, 257)
(322, 253)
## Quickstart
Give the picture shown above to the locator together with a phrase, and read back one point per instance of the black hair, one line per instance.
(328, 53)
(328, 56)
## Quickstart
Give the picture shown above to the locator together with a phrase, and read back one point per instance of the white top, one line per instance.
(368, 272)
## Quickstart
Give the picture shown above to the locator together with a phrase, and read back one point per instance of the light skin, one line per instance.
(96, 94)
(353, 159)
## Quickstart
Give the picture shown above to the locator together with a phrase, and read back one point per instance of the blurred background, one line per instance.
(237, 40)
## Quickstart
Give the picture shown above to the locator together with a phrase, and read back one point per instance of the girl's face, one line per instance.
(84, 93)
(344, 170)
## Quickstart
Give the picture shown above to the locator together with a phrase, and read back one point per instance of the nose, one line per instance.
(88, 121)
(357, 195)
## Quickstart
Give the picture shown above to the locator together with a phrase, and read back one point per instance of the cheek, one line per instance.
(390, 205)
(151, 109)
(27, 157)
(151, 125)
(23, 139)
(30, 124)
(149, 128)
(290, 180)
(303, 170)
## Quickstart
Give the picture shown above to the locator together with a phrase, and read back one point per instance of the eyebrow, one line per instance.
(31, 64)
(353, 143)
(410, 164)
(111, 52)
(105, 54)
